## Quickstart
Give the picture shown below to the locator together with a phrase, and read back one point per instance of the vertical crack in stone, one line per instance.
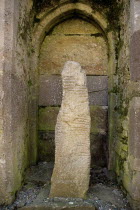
(72, 136)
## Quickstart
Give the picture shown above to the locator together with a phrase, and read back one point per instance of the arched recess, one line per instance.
(50, 19)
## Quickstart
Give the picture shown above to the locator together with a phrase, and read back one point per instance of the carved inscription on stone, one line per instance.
(72, 136)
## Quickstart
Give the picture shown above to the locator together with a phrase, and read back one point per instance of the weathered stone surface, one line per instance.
(74, 26)
(47, 118)
(99, 119)
(134, 56)
(134, 128)
(98, 137)
(14, 92)
(98, 90)
(3, 178)
(50, 93)
(16, 151)
(72, 155)
(78, 40)
(135, 40)
(90, 51)
(135, 186)
(134, 163)
(135, 15)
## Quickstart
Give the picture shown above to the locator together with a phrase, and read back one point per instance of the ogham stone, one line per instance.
(72, 136)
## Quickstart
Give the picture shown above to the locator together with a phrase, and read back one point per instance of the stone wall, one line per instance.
(15, 150)
(118, 93)
(77, 40)
(134, 108)
(125, 135)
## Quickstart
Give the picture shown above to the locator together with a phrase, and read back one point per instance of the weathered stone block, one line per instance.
(135, 56)
(134, 148)
(98, 90)
(135, 186)
(89, 51)
(72, 154)
(135, 15)
(134, 128)
(51, 90)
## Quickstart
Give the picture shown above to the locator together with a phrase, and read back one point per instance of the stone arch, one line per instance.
(53, 17)
(50, 19)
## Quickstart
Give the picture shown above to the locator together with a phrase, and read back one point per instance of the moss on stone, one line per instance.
(39, 5)
(111, 8)
(30, 83)
(115, 89)
(47, 118)
(122, 111)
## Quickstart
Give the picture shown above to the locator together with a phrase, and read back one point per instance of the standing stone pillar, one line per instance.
(72, 136)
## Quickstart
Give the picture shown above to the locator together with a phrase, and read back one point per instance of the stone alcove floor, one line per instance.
(104, 193)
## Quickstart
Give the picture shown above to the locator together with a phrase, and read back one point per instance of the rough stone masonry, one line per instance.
(72, 136)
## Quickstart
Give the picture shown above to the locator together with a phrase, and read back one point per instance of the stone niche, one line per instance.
(77, 40)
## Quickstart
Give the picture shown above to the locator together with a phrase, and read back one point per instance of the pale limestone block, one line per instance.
(72, 136)
(89, 51)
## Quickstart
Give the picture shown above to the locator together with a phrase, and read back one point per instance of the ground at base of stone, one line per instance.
(104, 194)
